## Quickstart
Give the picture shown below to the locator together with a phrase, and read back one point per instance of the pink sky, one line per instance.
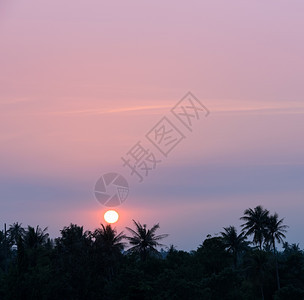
(82, 82)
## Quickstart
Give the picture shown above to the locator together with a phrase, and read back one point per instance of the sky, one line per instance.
(81, 82)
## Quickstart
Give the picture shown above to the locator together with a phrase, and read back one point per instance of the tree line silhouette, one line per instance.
(105, 264)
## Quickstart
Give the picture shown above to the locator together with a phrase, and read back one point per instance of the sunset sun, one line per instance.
(111, 216)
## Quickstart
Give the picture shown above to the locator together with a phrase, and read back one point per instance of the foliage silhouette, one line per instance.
(256, 224)
(234, 243)
(81, 264)
(144, 241)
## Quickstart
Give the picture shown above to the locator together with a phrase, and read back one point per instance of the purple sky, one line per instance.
(82, 81)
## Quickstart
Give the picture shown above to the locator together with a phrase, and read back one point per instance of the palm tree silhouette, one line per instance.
(276, 231)
(257, 265)
(108, 245)
(107, 238)
(234, 243)
(143, 240)
(15, 232)
(256, 224)
(35, 237)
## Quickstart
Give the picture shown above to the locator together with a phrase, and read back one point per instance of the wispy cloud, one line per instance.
(220, 106)
(14, 100)
(258, 108)
(95, 111)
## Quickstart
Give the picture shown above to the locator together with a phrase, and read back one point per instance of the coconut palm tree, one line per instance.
(256, 224)
(15, 232)
(143, 240)
(108, 245)
(107, 238)
(276, 230)
(35, 237)
(257, 265)
(234, 242)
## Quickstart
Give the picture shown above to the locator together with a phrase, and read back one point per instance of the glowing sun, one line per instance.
(111, 216)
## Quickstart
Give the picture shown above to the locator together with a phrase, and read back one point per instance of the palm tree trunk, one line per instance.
(144, 255)
(262, 292)
(277, 266)
(234, 259)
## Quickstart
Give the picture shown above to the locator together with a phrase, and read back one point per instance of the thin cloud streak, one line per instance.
(15, 100)
(110, 111)
(258, 108)
(298, 109)
(294, 110)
